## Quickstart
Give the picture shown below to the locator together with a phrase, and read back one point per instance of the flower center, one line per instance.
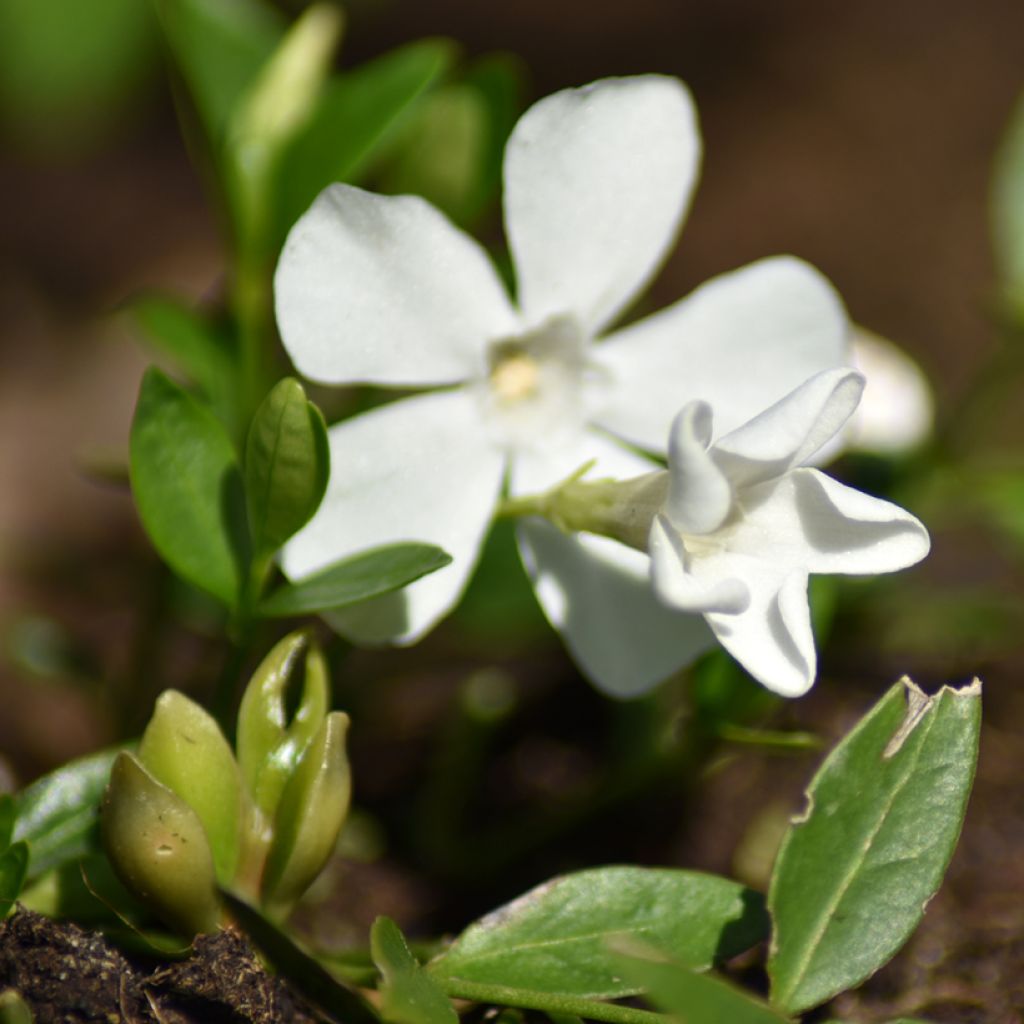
(514, 377)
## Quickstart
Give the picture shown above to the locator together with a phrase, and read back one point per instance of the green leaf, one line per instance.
(57, 814)
(6, 820)
(554, 939)
(408, 994)
(694, 998)
(13, 869)
(14, 1009)
(1008, 208)
(184, 749)
(200, 350)
(219, 47)
(356, 114)
(357, 578)
(300, 969)
(286, 466)
(855, 872)
(188, 487)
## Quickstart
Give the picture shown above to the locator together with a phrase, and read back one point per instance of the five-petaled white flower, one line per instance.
(745, 521)
(383, 289)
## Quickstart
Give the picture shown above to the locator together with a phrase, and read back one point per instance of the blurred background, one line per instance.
(860, 137)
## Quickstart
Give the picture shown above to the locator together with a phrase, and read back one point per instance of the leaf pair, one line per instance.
(219, 527)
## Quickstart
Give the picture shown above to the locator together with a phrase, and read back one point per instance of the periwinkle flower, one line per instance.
(383, 289)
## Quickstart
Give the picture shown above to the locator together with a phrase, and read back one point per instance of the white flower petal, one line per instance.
(678, 588)
(772, 639)
(740, 342)
(792, 430)
(699, 495)
(833, 528)
(418, 469)
(596, 593)
(385, 289)
(597, 181)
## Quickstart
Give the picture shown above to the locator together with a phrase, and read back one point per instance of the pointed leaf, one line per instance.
(188, 487)
(408, 994)
(1008, 208)
(355, 115)
(357, 578)
(694, 998)
(286, 466)
(855, 871)
(219, 47)
(184, 749)
(269, 745)
(554, 939)
(57, 814)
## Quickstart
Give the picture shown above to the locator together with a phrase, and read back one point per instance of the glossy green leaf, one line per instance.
(184, 749)
(408, 994)
(313, 807)
(357, 578)
(194, 344)
(57, 814)
(855, 871)
(301, 970)
(158, 847)
(219, 47)
(269, 743)
(13, 869)
(555, 938)
(694, 998)
(188, 487)
(286, 466)
(356, 114)
(1008, 208)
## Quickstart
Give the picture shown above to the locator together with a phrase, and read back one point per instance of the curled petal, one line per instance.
(772, 638)
(597, 181)
(384, 289)
(699, 495)
(596, 593)
(678, 588)
(792, 430)
(418, 469)
(740, 342)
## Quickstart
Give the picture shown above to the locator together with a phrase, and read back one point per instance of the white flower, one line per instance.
(383, 289)
(745, 523)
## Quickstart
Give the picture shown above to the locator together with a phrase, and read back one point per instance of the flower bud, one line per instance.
(269, 746)
(184, 749)
(312, 810)
(158, 847)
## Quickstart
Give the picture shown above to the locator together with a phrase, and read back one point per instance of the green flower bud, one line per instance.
(269, 746)
(312, 810)
(158, 847)
(184, 749)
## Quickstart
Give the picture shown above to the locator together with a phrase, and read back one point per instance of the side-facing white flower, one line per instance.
(383, 289)
(745, 522)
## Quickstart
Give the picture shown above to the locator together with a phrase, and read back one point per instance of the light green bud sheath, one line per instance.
(158, 847)
(621, 509)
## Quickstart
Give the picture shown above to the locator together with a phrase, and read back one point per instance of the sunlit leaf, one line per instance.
(188, 487)
(286, 466)
(57, 814)
(555, 938)
(357, 578)
(855, 871)
(408, 994)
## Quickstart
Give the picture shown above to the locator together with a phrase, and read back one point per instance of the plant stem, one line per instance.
(547, 1002)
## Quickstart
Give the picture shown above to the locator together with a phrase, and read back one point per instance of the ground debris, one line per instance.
(68, 975)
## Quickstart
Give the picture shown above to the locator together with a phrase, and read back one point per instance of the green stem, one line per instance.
(547, 1002)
